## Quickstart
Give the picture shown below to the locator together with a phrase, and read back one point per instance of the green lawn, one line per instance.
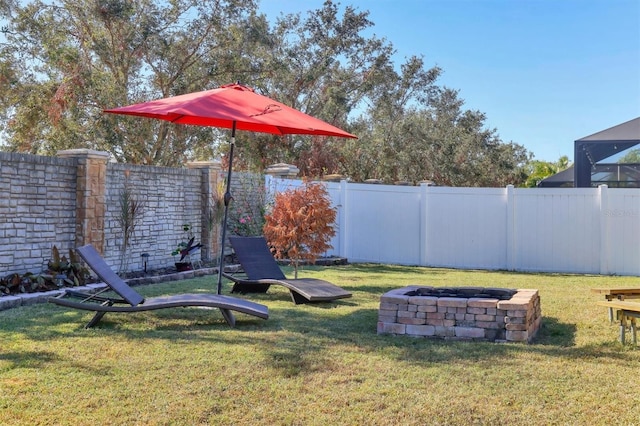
(319, 364)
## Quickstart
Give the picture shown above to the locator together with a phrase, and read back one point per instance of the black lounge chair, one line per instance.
(132, 301)
(262, 271)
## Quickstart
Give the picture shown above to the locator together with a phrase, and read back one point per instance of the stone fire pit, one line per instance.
(461, 313)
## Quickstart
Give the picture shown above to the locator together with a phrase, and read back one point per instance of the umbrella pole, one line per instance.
(227, 201)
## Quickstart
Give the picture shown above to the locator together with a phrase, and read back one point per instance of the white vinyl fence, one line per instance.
(573, 230)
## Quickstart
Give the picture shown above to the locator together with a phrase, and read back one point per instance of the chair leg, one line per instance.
(228, 317)
(96, 319)
(297, 298)
(98, 316)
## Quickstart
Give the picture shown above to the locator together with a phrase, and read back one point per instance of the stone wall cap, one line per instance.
(212, 164)
(282, 169)
(88, 153)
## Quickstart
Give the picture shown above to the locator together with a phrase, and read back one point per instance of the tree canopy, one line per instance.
(62, 62)
(631, 157)
(537, 170)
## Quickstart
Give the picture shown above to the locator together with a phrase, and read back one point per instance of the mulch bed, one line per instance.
(159, 275)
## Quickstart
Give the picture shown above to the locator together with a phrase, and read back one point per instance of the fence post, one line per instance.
(423, 227)
(603, 195)
(91, 183)
(210, 222)
(342, 219)
(510, 232)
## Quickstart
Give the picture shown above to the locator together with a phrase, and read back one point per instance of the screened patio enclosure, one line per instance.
(587, 171)
(614, 175)
(589, 150)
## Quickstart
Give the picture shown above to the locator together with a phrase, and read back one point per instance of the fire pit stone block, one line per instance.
(405, 311)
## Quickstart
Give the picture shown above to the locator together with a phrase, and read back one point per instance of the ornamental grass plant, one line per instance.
(319, 364)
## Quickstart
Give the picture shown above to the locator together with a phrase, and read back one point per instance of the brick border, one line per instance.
(26, 299)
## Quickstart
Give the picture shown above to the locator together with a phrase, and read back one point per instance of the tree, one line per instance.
(323, 65)
(537, 170)
(385, 126)
(300, 225)
(631, 157)
(65, 61)
(418, 131)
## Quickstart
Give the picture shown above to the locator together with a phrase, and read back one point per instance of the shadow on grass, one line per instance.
(374, 268)
(313, 332)
(555, 333)
(301, 339)
(46, 321)
(296, 336)
(29, 359)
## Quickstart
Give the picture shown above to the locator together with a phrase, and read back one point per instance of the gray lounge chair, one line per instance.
(262, 271)
(132, 301)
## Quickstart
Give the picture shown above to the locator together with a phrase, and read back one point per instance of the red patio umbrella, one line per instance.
(232, 106)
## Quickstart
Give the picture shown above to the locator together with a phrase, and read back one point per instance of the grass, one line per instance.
(319, 364)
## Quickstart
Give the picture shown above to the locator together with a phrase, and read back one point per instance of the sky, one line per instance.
(545, 72)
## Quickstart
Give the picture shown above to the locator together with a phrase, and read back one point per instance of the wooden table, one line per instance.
(617, 294)
(627, 313)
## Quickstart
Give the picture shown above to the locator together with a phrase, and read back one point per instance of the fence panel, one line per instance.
(573, 230)
(556, 230)
(620, 218)
(466, 227)
(337, 192)
(381, 223)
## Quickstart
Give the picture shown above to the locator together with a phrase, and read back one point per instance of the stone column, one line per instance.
(282, 171)
(210, 205)
(90, 195)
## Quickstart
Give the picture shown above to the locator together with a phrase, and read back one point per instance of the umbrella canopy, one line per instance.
(229, 104)
(232, 106)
